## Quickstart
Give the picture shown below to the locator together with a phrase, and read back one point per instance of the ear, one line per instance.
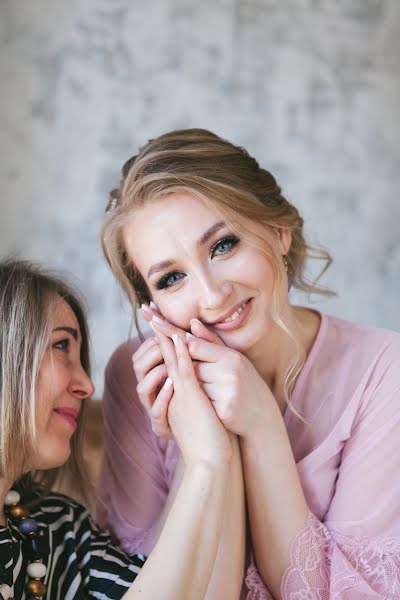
(285, 237)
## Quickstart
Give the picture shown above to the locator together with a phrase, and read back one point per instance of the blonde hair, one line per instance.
(27, 298)
(229, 180)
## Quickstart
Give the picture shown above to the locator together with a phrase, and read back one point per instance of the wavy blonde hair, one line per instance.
(230, 181)
(27, 298)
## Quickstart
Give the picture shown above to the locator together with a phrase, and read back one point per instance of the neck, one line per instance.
(273, 355)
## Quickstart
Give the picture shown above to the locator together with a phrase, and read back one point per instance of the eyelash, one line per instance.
(229, 239)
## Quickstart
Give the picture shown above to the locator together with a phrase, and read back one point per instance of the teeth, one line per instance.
(234, 315)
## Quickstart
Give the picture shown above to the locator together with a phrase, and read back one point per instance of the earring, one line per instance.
(285, 262)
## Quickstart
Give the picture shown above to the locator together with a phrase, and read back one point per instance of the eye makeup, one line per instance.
(220, 248)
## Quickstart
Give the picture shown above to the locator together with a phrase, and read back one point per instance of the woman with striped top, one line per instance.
(49, 545)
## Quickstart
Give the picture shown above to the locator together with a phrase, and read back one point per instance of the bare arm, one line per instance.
(227, 578)
(228, 572)
(275, 498)
(180, 566)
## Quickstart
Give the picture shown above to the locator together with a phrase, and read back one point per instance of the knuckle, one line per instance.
(140, 374)
(141, 389)
(155, 415)
(233, 381)
(225, 412)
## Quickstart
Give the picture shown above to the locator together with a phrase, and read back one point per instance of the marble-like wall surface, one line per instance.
(310, 87)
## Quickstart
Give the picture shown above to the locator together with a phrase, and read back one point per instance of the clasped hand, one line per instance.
(228, 379)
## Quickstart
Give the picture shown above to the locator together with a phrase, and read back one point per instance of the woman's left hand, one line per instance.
(240, 396)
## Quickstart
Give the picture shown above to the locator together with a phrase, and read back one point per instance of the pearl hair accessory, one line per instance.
(36, 570)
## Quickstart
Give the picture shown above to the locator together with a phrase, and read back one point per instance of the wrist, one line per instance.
(269, 419)
(211, 470)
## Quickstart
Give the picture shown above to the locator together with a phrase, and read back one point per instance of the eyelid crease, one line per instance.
(227, 238)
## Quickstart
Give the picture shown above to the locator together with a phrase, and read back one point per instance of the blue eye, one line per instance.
(62, 345)
(169, 280)
(225, 245)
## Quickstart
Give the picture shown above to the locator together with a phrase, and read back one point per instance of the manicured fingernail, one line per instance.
(177, 340)
(189, 336)
(195, 321)
(146, 309)
(153, 305)
(168, 383)
(152, 326)
(158, 320)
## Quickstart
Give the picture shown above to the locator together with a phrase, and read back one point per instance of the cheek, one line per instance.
(179, 308)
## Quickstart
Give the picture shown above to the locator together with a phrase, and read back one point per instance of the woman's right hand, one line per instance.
(151, 372)
(195, 425)
(153, 388)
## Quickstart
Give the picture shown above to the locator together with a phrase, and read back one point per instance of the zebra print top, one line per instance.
(81, 560)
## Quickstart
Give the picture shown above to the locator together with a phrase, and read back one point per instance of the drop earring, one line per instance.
(285, 262)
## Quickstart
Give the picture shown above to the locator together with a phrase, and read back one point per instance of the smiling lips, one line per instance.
(235, 318)
(69, 414)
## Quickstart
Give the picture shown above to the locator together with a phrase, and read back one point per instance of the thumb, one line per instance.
(201, 331)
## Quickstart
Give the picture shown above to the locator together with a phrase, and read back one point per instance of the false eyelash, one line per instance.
(233, 239)
(162, 282)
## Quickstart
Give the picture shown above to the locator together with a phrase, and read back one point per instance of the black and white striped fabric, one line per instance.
(80, 558)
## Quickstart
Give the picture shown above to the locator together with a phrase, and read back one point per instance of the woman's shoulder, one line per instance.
(360, 356)
(361, 338)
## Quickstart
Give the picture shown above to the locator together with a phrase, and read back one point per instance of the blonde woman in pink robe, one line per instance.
(201, 237)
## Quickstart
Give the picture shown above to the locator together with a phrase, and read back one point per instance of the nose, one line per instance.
(81, 386)
(213, 292)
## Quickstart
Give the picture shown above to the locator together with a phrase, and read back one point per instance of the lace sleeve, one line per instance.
(329, 566)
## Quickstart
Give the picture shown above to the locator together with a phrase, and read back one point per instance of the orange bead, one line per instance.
(18, 511)
(35, 588)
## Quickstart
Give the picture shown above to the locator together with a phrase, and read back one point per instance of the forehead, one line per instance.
(174, 210)
(63, 315)
(167, 225)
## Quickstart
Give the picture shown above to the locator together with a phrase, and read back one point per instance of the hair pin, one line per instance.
(112, 204)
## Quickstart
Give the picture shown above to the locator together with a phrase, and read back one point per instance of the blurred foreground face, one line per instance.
(196, 267)
(62, 385)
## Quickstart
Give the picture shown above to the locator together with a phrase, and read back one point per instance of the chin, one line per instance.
(243, 339)
(53, 458)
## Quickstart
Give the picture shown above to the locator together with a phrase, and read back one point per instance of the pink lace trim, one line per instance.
(338, 567)
(255, 585)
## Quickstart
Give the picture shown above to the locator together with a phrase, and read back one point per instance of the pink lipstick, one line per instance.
(235, 319)
(69, 414)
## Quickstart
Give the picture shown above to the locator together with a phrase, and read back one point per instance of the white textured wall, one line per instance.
(311, 87)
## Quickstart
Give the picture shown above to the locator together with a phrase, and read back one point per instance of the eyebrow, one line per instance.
(71, 330)
(207, 235)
